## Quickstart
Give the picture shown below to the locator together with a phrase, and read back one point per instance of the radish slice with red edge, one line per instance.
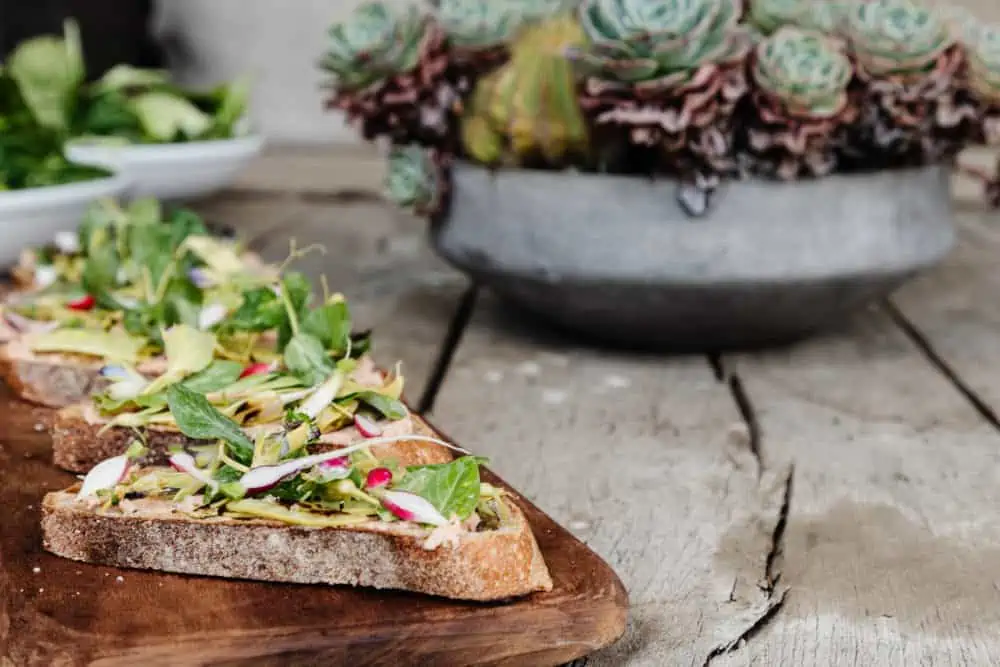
(339, 468)
(256, 369)
(265, 477)
(378, 477)
(185, 463)
(411, 507)
(85, 302)
(105, 475)
(366, 426)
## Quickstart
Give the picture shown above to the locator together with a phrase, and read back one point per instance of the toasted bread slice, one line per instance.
(78, 444)
(150, 534)
(56, 380)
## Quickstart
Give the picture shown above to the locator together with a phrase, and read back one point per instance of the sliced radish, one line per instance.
(338, 468)
(366, 426)
(411, 507)
(85, 302)
(105, 475)
(339, 462)
(266, 477)
(378, 477)
(256, 369)
(185, 463)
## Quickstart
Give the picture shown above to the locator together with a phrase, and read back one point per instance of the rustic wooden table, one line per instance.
(832, 503)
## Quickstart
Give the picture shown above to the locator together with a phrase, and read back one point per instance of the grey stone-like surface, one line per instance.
(616, 258)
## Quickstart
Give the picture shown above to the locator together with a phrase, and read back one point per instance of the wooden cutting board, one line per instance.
(60, 612)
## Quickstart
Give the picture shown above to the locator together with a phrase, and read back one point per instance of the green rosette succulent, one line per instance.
(983, 53)
(412, 179)
(538, 10)
(478, 25)
(374, 43)
(805, 71)
(638, 40)
(767, 16)
(896, 37)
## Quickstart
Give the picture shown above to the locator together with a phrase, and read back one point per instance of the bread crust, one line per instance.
(484, 566)
(78, 444)
(55, 380)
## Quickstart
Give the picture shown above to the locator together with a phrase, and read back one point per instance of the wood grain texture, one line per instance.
(957, 310)
(59, 612)
(645, 459)
(892, 547)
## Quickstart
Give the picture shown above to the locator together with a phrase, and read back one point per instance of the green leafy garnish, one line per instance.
(331, 325)
(198, 419)
(453, 488)
(307, 359)
(114, 345)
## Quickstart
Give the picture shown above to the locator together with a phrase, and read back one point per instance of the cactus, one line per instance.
(415, 180)
(390, 74)
(801, 100)
(526, 111)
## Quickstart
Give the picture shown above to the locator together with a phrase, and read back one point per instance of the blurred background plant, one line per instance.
(699, 90)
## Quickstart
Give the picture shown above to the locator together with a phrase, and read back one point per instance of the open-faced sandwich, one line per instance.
(279, 508)
(323, 374)
(131, 274)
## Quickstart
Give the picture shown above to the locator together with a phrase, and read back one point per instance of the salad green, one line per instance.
(46, 101)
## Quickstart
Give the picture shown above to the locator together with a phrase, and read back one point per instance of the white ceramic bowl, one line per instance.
(172, 171)
(32, 217)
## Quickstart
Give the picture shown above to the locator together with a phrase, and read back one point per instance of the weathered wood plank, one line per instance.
(956, 307)
(646, 459)
(892, 548)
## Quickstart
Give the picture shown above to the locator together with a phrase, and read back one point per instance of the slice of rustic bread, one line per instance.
(148, 534)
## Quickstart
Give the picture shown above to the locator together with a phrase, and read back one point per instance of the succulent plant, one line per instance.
(908, 59)
(668, 75)
(478, 32)
(767, 16)
(539, 10)
(415, 180)
(639, 41)
(526, 112)
(390, 73)
(801, 79)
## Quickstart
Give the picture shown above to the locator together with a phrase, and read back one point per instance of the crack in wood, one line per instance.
(452, 338)
(926, 348)
(771, 574)
(775, 596)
